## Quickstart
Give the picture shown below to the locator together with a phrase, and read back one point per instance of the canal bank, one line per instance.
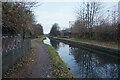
(59, 68)
(110, 51)
(84, 63)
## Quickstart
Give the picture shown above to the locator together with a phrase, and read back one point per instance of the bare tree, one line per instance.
(87, 15)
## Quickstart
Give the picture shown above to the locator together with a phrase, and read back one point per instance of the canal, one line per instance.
(84, 63)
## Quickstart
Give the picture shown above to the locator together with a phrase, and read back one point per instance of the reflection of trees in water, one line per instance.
(91, 66)
(54, 43)
(108, 71)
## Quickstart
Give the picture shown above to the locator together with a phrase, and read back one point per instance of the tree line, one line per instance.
(93, 23)
(19, 16)
(55, 30)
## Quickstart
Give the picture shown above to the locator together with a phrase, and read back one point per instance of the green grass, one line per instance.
(41, 39)
(59, 69)
(113, 45)
(108, 44)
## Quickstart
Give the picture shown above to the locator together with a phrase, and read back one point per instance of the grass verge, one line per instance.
(59, 69)
(108, 44)
(41, 39)
(112, 45)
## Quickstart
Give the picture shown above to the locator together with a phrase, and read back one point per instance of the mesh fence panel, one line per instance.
(13, 47)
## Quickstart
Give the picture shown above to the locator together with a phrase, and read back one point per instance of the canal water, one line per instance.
(84, 63)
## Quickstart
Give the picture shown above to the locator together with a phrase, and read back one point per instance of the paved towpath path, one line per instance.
(38, 65)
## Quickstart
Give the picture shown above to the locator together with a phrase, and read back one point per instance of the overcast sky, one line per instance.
(49, 13)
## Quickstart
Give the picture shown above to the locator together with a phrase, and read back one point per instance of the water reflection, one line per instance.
(87, 64)
(54, 43)
(47, 41)
(94, 65)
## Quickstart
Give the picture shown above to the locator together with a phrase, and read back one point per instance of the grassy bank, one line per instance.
(108, 44)
(59, 69)
(41, 39)
(87, 45)
(113, 45)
